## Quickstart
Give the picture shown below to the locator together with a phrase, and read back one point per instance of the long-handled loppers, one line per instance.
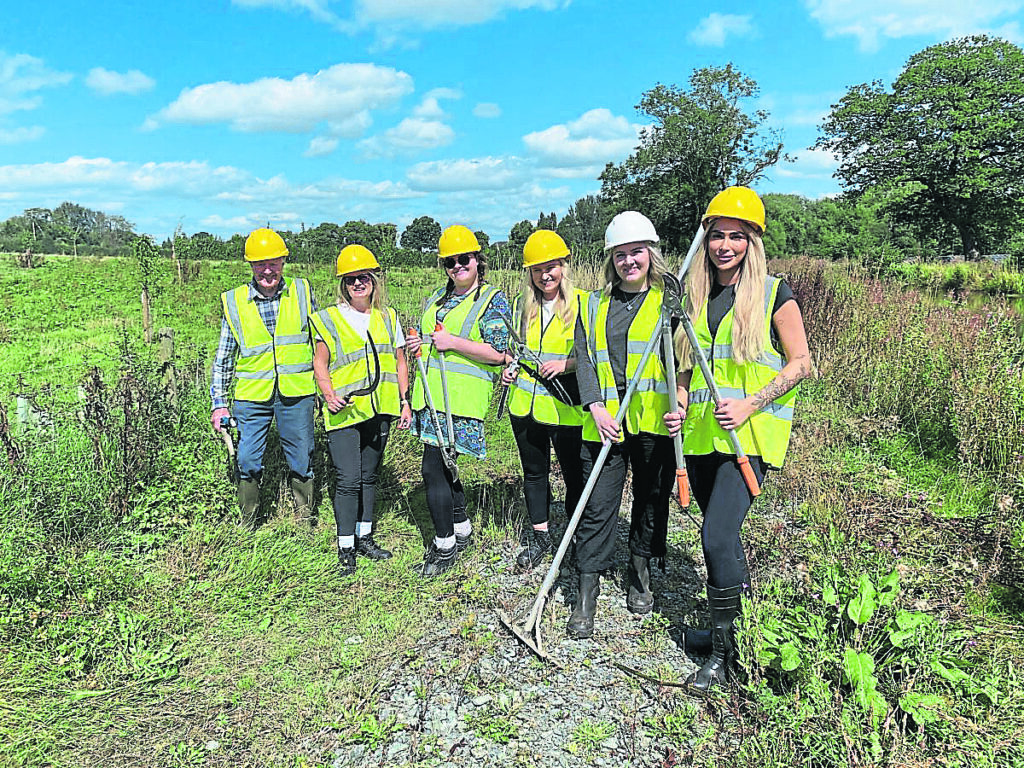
(519, 350)
(447, 451)
(529, 632)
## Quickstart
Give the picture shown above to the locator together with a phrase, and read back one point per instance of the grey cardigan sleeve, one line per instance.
(586, 374)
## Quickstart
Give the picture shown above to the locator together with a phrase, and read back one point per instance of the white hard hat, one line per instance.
(629, 227)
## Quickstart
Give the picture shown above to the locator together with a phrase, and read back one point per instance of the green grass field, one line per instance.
(140, 626)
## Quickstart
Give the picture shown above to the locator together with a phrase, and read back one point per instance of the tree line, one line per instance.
(931, 166)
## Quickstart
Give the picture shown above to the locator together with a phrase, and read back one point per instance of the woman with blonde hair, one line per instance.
(545, 314)
(743, 317)
(619, 321)
(358, 425)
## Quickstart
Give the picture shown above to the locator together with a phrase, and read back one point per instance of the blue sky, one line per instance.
(224, 115)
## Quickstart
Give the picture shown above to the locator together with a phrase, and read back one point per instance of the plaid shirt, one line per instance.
(227, 347)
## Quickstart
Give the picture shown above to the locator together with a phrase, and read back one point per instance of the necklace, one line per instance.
(636, 296)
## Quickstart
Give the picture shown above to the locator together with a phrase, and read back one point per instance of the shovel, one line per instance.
(448, 458)
(528, 632)
(741, 457)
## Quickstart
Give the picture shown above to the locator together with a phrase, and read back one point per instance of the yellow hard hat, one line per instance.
(737, 203)
(263, 244)
(455, 240)
(355, 258)
(543, 246)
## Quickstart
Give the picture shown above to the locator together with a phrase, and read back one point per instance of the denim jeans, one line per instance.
(294, 417)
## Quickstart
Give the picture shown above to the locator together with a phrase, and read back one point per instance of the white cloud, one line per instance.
(581, 147)
(408, 137)
(107, 82)
(321, 146)
(487, 110)
(442, 13)
(21, 134)
(466, 174)
(21, 76)
(869, 20)
(808, 164)
(430, 108)
(319, 10)
(341, 95)
(717, 28)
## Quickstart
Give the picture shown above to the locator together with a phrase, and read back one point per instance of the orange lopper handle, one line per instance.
(684, 487)
(748, 475)
(414, 332)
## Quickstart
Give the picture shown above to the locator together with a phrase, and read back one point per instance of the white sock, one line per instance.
(463, 528)
(540, 527)
(444, 543)
(346, 542)
(364, 528)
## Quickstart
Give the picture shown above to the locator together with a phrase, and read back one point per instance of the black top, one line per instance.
(622, 310)
(722, 297)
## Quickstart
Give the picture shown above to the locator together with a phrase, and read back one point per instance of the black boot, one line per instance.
(346, 561)
(724, 606)
(538, 544)
(640, 599)
(581, 622)
(437, 560)
(697, 642)
(367, 547)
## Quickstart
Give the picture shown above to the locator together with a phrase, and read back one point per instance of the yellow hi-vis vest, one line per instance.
(351, 365)
(555, 342)
(766, 433)
(286, 358)
(649, 404)
(469, 383)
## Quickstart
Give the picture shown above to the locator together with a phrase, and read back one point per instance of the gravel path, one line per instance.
(474, 695)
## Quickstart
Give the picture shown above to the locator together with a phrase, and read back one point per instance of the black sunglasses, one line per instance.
(463, 259)
(353, 279)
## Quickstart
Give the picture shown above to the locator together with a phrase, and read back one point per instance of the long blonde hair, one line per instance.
(532, 296)
(748, 310)
(655, 270)
(378, 299)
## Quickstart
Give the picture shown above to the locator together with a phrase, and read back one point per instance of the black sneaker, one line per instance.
(367, 547)
(437, 561)
(462, 543)
(538, 544)
(346, 561)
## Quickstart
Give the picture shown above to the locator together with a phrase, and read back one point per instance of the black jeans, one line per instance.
(535, 441)
(446, 498)
(653, 463)
(724, 499)
(356, 452)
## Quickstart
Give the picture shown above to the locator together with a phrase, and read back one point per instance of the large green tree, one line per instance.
(703, 139)
(422, 234)
(946, 145)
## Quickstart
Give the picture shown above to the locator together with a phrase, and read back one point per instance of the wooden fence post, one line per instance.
(166, 357)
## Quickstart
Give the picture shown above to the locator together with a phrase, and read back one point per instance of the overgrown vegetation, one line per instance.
(140, 625)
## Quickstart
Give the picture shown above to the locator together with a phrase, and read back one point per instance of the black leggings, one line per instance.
(446, 498)
(356, 452)
(535, 440)
(723, 498)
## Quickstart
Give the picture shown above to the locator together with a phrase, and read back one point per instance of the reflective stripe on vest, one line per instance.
(766, 433)
(650, 402)
(286, 359)
(469, 383)
(351, 365)
(555, 342)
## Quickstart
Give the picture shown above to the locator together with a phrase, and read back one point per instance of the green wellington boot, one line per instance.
(302, 493)
(249, 501)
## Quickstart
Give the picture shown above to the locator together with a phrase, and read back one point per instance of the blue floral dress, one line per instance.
(469, 432)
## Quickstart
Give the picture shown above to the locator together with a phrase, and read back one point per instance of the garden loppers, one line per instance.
(741, 457)
(672, 307)
(443, 367)
(446, 456)
(518, 351)
(529, 632)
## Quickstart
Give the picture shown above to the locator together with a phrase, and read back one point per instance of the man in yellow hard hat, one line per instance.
(265, 347)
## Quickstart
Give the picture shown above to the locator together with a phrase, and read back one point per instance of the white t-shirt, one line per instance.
(360, 321)
(547, 311)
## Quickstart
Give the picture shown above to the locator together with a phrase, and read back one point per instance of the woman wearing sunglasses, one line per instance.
(464, 322)
(358, 424)
(545, 314)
